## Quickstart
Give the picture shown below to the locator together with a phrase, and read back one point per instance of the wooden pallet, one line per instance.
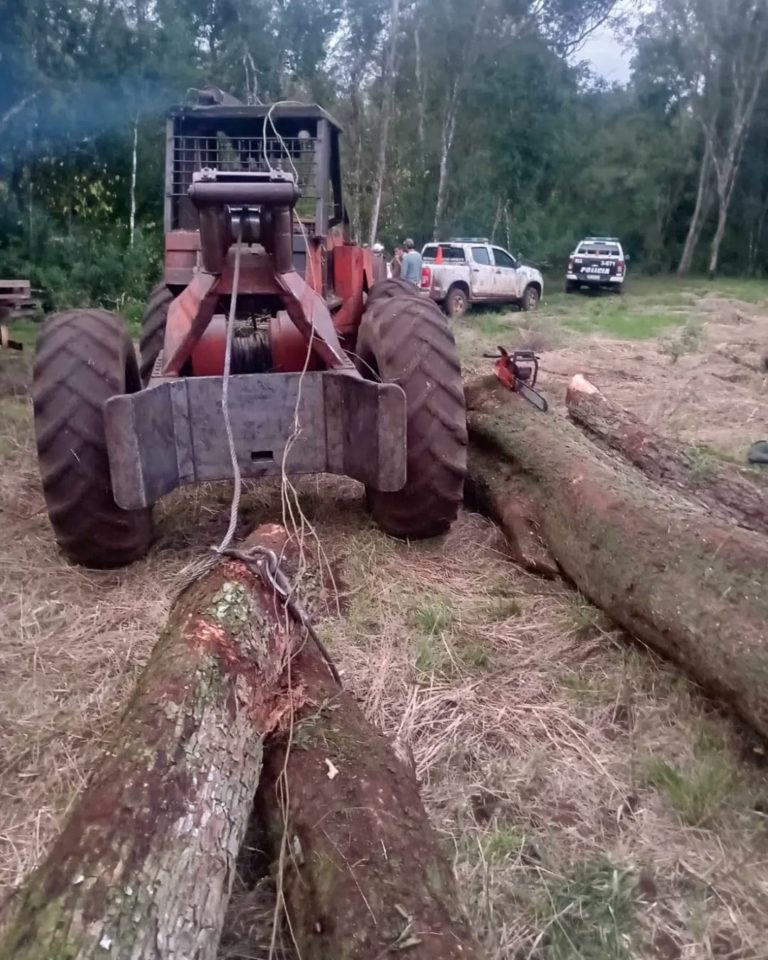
(16, 299)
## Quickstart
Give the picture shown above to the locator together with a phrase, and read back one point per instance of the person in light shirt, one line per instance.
(411, 265)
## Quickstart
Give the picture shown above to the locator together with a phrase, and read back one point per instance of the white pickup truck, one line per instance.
(471, 270)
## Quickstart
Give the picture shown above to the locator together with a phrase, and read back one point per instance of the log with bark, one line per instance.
(145, 863)
(688, 583)
(737, 492)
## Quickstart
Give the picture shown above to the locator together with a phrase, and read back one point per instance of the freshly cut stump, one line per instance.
(692, 586)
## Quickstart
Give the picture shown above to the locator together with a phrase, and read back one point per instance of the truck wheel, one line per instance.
(530, 299)
(153, 329)
(83, 358)
(571, 286)
(407, 341)
(456, 303)
(386, 289)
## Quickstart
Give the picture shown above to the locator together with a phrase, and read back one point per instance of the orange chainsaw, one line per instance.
(519, 371)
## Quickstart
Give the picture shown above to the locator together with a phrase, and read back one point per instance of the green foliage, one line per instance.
(530, 148)
(501, 844)
(434, 617)
(686, 342)
(620, 318)
(589, 915)
(87, 268)
(698, 792)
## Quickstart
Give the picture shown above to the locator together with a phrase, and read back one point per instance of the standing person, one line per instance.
(396, 265)
(411, 266)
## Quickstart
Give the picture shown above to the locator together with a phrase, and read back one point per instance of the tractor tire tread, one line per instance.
(408, 340)
(153, 329)
(84, 357)
(392, 287)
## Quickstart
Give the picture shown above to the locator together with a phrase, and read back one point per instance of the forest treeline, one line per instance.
(473, 117)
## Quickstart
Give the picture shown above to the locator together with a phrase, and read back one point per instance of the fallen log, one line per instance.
(691, 586)
(737, 492)
(144, 865)
(357, 863)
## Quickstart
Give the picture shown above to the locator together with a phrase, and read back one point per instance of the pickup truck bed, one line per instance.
(458, 273)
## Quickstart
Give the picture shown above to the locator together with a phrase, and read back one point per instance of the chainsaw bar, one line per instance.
(532, 396)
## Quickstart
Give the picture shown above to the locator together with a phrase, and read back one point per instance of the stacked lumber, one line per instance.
(16, 299)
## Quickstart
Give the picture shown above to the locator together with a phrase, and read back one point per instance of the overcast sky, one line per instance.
(608, 58)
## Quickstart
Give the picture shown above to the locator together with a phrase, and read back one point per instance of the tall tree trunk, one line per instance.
(421, 95)
(446, 142)
(714, 250)
(356, 206)
(496, 219)
(387, 102)
(699, 214)
(460, 71)
(756, 238)
(134, 164)
(727, 174)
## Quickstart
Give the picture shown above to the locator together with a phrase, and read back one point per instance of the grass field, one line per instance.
(647, 307)
(595, 804)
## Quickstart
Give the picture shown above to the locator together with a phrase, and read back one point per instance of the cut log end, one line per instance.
(579, 385)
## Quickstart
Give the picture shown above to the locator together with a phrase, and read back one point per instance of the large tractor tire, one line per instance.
(407, 340)
(153, 329)
(394, 287)
(83, 358)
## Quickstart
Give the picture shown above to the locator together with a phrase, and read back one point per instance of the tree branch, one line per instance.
(17, 108)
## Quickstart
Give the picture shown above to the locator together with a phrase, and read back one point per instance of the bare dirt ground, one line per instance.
(594, 803)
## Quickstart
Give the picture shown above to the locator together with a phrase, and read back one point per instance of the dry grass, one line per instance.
(594, 804)
(703, 381)
(539, 761)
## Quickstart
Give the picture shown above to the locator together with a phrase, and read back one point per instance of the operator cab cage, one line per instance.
(302, 140)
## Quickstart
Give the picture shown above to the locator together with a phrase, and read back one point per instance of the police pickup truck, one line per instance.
(468, 270)
(596, 262)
